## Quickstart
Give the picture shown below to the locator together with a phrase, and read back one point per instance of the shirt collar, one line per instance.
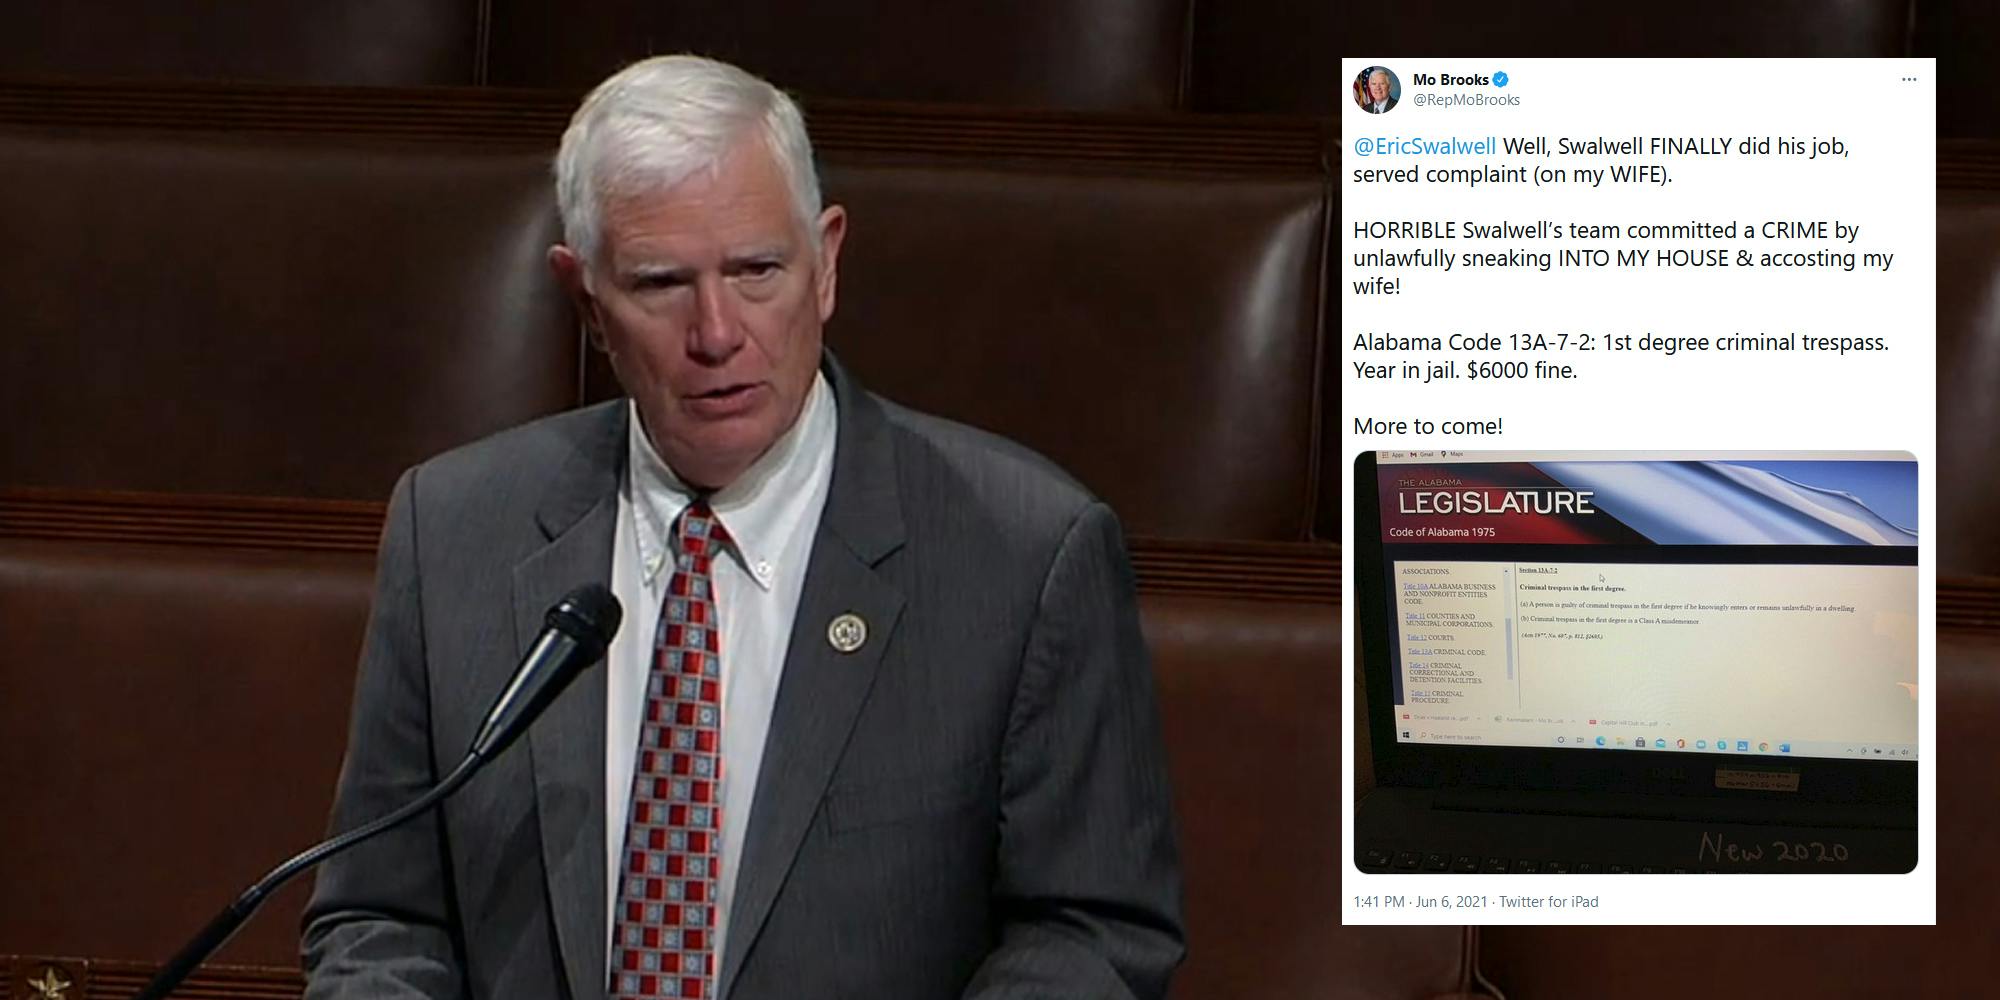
(750, 508)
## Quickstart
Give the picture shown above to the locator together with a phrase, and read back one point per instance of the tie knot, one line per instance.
(699, 534)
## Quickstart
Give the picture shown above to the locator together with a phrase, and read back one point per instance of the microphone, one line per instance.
(576, 633)
(579, 628)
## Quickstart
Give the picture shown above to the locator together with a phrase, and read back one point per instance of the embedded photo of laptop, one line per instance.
(1607, 662)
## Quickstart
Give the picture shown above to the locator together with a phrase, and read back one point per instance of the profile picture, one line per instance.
(1377, 90)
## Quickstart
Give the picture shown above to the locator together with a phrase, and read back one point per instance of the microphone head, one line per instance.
(589, 614)
(579, 628)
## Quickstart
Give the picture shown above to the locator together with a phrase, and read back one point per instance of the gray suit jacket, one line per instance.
(974, 803)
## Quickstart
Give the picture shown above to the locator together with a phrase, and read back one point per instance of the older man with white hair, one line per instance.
(879, 723)
(1375, 92)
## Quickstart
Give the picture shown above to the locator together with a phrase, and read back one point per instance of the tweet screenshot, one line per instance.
(1639, 418)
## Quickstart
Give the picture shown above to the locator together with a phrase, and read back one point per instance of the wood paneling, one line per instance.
(176, 519)
(1968, 604)
(95, 979)
(1308, 572)
(462, 115)
(1250, 570)
(1968, 164)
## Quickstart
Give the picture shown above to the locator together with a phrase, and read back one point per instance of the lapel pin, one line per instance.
(847, 632)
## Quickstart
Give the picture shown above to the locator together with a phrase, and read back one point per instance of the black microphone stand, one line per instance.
(225, 923)
(579, 630)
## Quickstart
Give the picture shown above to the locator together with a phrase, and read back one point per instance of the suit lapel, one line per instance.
(823, 689)
(579, 516)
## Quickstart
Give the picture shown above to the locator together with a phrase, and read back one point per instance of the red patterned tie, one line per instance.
(664, 942)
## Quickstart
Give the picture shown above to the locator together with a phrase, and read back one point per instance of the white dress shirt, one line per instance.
(771, 513)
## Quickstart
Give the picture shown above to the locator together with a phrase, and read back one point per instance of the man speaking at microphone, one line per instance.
(879, 723)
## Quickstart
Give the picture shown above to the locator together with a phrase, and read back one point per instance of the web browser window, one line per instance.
(1762, 605)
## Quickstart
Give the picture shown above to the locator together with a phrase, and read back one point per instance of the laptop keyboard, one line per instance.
(1382, 860)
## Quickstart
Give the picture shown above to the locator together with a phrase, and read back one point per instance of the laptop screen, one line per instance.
(1752, 605)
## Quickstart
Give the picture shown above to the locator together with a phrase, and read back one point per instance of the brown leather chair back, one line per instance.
(1968, 393)
(367, 42)
(1075, 54)
(196, 311)
(1154, 334)
(174, 718)
(1282, 56)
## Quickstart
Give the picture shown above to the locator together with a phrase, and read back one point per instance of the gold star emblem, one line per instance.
(53, 985)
